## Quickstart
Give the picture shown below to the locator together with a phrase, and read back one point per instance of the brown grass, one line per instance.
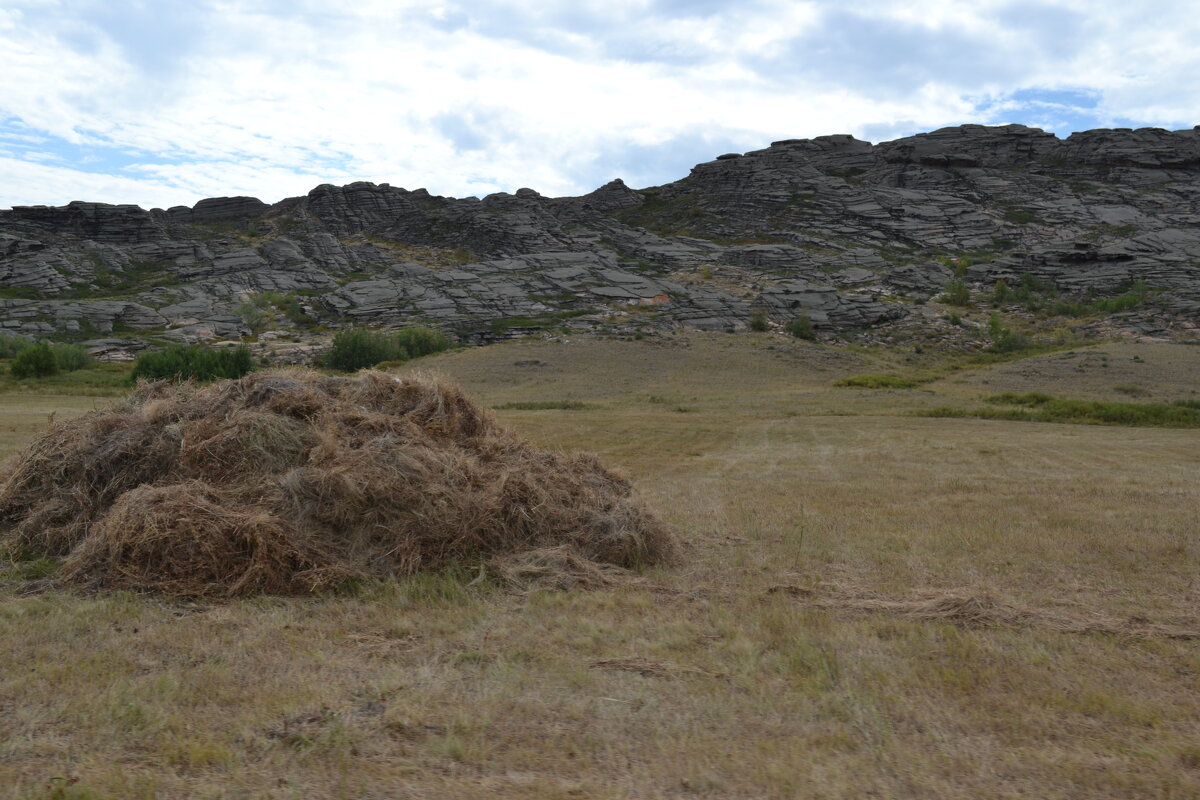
(291, 482)
(984, 610)
(693, 682)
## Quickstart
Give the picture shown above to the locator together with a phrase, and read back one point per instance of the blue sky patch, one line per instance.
(162, 104)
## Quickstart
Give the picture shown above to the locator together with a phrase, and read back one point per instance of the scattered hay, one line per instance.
(555, 568)
(290, 482)
(649, 668)
(984, 611)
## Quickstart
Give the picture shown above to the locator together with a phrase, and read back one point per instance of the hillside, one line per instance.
(1097, 233)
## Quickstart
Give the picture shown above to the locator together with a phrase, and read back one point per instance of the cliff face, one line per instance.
(855, 236)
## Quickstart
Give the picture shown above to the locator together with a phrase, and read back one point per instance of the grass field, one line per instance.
(869, 604)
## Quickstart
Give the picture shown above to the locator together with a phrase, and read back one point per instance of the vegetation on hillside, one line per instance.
(193, 362)
(1042, 296)
(361, 348)
(43, 359)
(1040, 407)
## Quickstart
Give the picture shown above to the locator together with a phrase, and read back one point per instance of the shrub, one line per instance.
(260, 312)
(1020, 216)
(1005, 340)
(1001, 294)
(294, 313)
(359, 348)
(420, 341)
(35, 361)
(10, 346)
(1042, 296)
(802, 328)
(956, 293)
(759, 320)
(183, 362)
(70, 357)
(255, 317)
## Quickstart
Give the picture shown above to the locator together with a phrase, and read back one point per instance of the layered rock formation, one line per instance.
(852, 235)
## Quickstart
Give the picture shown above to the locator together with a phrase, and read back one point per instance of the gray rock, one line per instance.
(830, 227)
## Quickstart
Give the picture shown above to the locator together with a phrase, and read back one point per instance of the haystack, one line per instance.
(291, 482)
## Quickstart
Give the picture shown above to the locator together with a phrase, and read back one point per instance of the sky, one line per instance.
(165, 102)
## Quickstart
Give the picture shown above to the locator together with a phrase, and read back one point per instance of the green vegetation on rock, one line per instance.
(1042, 296)
(802, 327)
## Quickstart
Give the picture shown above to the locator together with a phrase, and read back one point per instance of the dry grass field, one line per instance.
(869, 604)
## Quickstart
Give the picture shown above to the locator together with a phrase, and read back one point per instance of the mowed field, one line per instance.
(868, 604)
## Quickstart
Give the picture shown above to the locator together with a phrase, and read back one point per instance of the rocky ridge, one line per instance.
(855, 236)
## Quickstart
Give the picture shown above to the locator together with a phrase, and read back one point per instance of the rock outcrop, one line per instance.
(851, 235)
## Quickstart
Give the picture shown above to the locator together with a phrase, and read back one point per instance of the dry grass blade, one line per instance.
(981, 611)
(555, 568)
(648, 667)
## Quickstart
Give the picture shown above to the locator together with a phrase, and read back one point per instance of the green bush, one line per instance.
(294, 313)
(420, 341)
(1020, 216)
(360, 348)
(70, 357)
(956, 293)
(10, 346)
(759, 320)
(180, 362)
(1042, 296)
(39, 360)
(802, 328)
(357, 348)
(260, 311)
(256, 317)
(1005, 340)
(1001, 294)
(35, 361)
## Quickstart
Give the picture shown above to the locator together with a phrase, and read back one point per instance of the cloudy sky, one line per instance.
(164, 102)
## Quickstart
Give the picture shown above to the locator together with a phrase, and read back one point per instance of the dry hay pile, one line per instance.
(293, 482)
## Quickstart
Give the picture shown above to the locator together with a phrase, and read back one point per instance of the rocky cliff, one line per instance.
(856, 237)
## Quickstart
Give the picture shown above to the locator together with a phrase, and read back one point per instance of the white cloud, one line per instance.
(270, 98)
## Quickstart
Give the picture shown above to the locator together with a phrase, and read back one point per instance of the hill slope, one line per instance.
(857, 237)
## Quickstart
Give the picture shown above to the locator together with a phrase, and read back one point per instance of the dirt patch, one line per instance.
(292, 482)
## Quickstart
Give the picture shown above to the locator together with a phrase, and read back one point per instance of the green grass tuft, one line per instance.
(1040, 407)
(878, 382)
(542, 405)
